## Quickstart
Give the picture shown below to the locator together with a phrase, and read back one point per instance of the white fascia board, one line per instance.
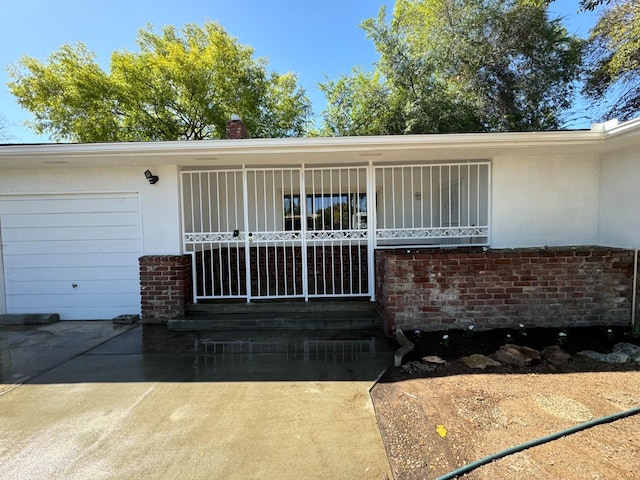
(632, 127)
(273, 145)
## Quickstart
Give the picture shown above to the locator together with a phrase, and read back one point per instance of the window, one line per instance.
(329, 211)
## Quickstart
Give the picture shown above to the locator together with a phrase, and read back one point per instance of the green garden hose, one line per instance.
(539, 441)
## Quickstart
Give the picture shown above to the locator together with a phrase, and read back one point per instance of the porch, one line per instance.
(308, 232)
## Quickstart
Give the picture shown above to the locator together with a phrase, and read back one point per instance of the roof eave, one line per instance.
(315, 144)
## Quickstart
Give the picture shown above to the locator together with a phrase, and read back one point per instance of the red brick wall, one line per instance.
(165, 286)
(441, 289)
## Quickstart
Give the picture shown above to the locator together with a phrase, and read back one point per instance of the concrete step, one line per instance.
(250, 323)
(282, 315)
(29, 319)
(283, 307)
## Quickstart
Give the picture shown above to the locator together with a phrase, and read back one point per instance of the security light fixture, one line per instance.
(151, 177)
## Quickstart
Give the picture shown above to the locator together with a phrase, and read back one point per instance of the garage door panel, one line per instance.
(74, 274)
(73, 301)
(60, 204)
(53, 242)
(70, 233)
(72, 260)
(77, 246)
(66, 287)
(39, 221)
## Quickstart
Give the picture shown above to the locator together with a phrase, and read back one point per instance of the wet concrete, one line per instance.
(146, 403)
(29, 350)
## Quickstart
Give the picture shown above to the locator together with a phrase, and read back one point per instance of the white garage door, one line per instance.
(75, 255)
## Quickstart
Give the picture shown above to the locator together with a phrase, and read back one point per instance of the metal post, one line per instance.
(371, 229)
(303, 229)
(247, 254)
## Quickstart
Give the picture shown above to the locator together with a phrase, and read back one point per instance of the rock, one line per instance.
(518, 355)
(434, 359)
(556, 356)
(630, 349)
(479, 361)
(614, 357)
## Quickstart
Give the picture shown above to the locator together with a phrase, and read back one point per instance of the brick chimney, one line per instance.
(236, 129)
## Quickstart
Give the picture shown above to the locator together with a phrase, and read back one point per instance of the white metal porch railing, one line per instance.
(435, 204)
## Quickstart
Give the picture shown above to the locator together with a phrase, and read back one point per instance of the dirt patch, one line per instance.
(438, 421)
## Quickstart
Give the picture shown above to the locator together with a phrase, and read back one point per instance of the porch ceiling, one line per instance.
(352, 150)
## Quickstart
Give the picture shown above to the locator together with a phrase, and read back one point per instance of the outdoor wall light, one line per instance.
(151, 177)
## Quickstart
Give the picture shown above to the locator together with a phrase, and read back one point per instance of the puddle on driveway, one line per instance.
(153, 354)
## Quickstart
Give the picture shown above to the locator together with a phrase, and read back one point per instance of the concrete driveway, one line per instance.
(85, 400)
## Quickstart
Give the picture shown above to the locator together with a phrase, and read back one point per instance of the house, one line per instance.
(441, 231)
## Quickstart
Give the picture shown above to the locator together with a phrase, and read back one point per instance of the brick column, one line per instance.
(165, 287)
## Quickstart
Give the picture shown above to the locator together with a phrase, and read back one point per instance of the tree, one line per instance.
(451, 65)
(613, 71)
(592, 4)
(4, 126)
(359, 104)
(179, 86)
(584, 4)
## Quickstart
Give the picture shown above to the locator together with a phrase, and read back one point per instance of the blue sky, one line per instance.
(314, 39)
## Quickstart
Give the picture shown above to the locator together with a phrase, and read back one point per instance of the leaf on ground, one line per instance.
(441, 430)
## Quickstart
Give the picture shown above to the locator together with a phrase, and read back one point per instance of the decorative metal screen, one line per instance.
(437, 204)
(336, 233)
(274, 252)
(277, 233)
(214, 225)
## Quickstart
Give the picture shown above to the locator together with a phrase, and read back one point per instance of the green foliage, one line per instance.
(448, 65)
(351, 100)
(613, 73)
(584, 4)
(179, 86)
(4, 126)
(592, 4)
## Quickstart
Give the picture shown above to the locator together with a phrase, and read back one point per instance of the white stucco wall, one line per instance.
(619, 216)
(160, 206)
(546, 200)
(3, 303)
